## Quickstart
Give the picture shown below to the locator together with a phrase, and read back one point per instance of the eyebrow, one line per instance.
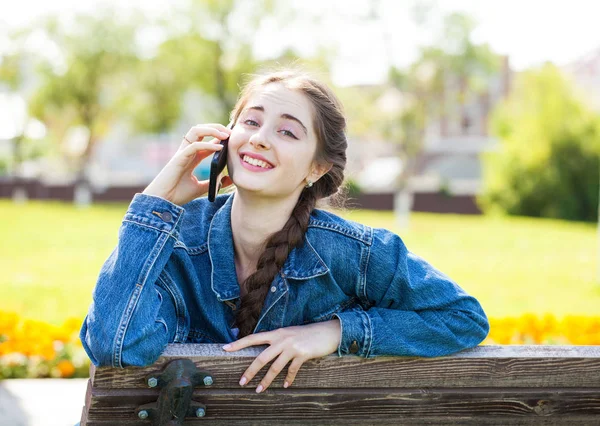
(287, 116)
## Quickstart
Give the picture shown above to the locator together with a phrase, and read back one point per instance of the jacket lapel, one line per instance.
(302, 263)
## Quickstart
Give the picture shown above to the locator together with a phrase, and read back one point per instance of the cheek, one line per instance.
(297, 163)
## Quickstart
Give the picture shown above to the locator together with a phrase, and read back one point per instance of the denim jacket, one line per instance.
(172, 279)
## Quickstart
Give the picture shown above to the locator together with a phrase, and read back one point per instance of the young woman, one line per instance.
(262, 265)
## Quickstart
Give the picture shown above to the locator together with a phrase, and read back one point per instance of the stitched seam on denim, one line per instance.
(304, 278)
(176, 207)
(145, 225)
(286, 293)
(340, 349)
(339, 230)
(126, 318)
(295, 275)
(118, 342)
(212, 265)
(179, 244)
(368, 334)
(340, 227)
(198, 250)
(175, 230)
(180, 309)
(267, 311)
(363, 277)
(162, 321)
(316, 254)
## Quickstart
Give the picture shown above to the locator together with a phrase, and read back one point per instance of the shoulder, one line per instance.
(325, 222)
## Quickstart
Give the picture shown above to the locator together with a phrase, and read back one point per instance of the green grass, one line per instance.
(52, 252)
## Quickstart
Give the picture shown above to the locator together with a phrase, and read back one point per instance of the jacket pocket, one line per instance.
(174, 311)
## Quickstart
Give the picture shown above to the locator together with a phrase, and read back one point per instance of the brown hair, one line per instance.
(330, 128)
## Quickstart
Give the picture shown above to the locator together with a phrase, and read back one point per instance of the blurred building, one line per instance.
(585, 72)
(455, 141)
(449, 170)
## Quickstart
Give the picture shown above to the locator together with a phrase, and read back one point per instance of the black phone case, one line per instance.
(218, 163)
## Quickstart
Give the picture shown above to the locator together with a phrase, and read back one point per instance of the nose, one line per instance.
(259, 140)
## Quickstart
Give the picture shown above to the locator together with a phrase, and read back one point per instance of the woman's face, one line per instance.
(276, 127)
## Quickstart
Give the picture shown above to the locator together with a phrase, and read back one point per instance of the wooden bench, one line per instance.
(522, 385)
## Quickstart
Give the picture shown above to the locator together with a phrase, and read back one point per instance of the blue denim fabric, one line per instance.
(172, 279)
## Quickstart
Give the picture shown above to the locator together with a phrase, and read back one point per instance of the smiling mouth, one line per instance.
(254, 162)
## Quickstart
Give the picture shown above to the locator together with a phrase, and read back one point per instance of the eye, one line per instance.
(288, 133)
(250, 121)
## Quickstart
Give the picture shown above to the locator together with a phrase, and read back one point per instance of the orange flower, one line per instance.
(66, 368)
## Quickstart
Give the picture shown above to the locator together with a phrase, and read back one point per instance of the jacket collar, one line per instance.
(302, 262)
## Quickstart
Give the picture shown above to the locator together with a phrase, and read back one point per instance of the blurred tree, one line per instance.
(207, 49)
(11, 77)
(16, 69)
(85, 84)
(548, 164)
(424, 88)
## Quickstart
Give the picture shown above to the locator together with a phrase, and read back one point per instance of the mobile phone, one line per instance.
(217, 164)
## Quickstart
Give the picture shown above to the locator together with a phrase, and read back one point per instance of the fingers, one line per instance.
(275, 369)
(259, 362)
(249, 340)
(199, 132)
(292, 371)
(195, 148)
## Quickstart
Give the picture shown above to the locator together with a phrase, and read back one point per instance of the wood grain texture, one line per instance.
(366, 404)
(571, 421)
(486, 366)
(488, 385)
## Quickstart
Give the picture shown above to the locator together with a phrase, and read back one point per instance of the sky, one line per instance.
(530, 32)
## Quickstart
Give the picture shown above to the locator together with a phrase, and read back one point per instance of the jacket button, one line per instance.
(167, 216)
(354, 347)
(273, 289)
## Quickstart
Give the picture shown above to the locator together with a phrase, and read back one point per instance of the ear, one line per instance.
(318, 170)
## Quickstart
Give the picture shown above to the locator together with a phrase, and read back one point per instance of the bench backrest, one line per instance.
(484, 385)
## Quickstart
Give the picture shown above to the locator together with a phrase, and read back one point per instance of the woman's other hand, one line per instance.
(176, 181)
(296, 344)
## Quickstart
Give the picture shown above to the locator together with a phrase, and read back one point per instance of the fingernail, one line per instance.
(259, 389)
(225, 347)
(286, 384)
(224, 134)
(243, 381)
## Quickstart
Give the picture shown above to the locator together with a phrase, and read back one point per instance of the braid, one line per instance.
(278, 247)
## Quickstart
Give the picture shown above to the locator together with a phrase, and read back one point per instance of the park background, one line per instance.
(474, 133)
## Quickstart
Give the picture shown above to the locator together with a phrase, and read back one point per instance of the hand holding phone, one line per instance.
(176, 182)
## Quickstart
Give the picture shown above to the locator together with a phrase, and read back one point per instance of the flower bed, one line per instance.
(31, 349)
(530, 329)
(36, 349)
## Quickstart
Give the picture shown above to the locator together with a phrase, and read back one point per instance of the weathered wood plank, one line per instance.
(88, 401)
(189, 350)
(571, 421)
(485, 366)
(342, 405)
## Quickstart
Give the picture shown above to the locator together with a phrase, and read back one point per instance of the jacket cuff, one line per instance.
(155, 212)
(356, 333)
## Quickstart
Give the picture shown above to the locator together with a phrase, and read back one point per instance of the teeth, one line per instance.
(256, 162)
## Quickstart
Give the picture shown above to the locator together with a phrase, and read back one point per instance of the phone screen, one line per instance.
(217, 164)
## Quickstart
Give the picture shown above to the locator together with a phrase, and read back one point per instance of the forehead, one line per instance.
(278, 99)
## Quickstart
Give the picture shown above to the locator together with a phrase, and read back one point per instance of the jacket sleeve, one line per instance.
(123, 326)
(408, 307)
